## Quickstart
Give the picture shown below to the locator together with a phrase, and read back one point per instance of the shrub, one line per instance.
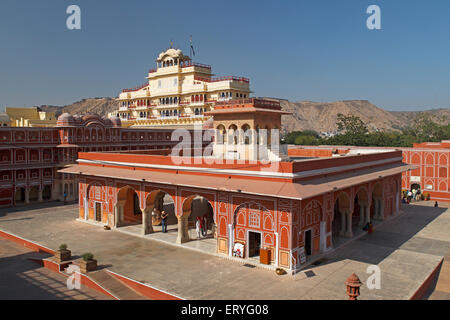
(87, 256)
(63, 246)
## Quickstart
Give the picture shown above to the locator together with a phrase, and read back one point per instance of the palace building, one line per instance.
(432, 161)
(177, 94)
(27, 117)
(293, 209)
(30, 157)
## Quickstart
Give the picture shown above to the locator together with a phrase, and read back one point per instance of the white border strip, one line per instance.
(146, 285)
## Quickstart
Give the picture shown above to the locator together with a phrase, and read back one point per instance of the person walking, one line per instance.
(198, 227)
(164, 221)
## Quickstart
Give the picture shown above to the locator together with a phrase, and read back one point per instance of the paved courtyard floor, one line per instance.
(22, 279)
(406, 248)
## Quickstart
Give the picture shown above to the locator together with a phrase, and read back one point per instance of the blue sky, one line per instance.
(298, 50)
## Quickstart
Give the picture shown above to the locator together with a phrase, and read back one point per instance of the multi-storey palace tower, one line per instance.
(177, 94)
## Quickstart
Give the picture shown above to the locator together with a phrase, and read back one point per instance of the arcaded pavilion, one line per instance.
(293, 209)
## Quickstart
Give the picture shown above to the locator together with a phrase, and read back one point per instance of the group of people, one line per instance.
(201, 226)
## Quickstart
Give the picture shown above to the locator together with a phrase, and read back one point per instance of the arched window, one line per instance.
(232, 132)
(247, 133)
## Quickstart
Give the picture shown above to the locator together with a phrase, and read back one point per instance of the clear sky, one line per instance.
(298, 50)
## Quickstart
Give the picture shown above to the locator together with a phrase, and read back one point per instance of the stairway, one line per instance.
(115, 286)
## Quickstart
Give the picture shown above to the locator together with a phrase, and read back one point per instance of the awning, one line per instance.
(297, 190)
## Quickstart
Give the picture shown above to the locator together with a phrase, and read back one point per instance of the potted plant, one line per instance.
(63, 254)
(88, 263)
(426, 195)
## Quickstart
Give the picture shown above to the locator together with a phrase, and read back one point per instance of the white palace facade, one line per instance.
(177, 94)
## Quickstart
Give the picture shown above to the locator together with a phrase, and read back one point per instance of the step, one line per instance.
(115, 286)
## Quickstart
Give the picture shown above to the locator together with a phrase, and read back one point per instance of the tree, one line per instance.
(352, 130)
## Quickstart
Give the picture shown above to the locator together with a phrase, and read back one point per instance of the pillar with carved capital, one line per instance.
(183, 229)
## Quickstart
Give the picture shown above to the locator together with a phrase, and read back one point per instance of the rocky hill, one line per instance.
(318, 116)
(99, 106)
(321, 116)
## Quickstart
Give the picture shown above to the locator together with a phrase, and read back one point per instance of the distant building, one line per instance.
(177, 94)
(30, 117)
(31, 157)
(431, 158)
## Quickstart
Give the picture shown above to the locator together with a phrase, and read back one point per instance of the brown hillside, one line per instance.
(318, 116)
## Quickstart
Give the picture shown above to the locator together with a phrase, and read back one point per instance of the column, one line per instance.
(361, 215)
(40, 195)
(343, 222)
(376, 206)
(183, 228)
(146, 222)
(27, 195)
(381, 211)
(230, 239)
(367, 213)
(118, 215)
(349, 232)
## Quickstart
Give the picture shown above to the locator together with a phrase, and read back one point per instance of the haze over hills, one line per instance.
(318, 116)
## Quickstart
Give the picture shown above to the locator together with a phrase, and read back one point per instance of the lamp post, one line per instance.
(353, 283)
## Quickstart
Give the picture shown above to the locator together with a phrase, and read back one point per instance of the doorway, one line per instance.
(308, 242)
(98, 211)
(254, 244)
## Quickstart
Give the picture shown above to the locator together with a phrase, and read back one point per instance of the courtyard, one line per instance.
(407, 248)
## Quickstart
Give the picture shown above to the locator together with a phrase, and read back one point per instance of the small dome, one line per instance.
(65, 120)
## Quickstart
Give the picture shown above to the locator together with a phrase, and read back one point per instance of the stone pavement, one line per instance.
(22, 279)
(407, 249)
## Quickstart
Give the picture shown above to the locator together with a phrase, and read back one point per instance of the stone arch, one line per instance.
(341, 215)
(233, 134)
(128, 209)
(34, 193)
(221, 136)
(192, 207)
(156, 202)
(19, 195)
(361, 207)
(247, 134)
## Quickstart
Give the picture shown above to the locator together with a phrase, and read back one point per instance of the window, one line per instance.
(254, 220)
(159, 83)
(175, 82)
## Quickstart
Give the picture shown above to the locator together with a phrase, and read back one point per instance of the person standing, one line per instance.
(164, 221)
(436, 204)
(198, 227)
(205, 225)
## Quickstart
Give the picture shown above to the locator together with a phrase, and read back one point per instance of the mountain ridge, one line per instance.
(306, 115)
